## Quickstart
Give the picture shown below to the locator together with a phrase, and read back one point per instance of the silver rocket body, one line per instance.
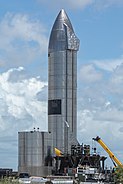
(62, 83)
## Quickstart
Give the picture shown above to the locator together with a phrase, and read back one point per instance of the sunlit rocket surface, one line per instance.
(62, 82)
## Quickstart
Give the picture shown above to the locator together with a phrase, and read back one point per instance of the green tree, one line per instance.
(118, 175)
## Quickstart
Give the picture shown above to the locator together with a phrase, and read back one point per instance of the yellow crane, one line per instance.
(115, 160)
(58, 152)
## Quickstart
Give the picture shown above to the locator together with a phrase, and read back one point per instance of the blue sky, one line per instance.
(24, 32)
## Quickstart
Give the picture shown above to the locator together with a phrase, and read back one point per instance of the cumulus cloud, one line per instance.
(101, 83)
(108, 64)
(20, 107)
(21, 37)
(117, 77)
(100, 103)
(89, 74)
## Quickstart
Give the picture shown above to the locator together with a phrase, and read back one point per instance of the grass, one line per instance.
(8, 181)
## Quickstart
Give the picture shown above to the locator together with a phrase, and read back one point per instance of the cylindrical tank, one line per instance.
(31, 152)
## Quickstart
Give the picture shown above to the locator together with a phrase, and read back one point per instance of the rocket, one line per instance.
(62, 83)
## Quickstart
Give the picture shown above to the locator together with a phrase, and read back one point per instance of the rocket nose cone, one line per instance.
(58, 36)
(62, 19)
(62, 35)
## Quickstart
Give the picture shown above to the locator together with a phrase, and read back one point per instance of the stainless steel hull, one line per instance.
(62, 83)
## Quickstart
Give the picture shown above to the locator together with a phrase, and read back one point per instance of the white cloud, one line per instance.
(100, 103)
(117, 77)
(21, 37)
(19, 103)
(108, 64)
(89, 74)
(111, 115)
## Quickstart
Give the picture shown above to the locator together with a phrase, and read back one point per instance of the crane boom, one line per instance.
(110, 153)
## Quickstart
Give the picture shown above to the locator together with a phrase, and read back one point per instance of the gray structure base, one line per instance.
(37, 171)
